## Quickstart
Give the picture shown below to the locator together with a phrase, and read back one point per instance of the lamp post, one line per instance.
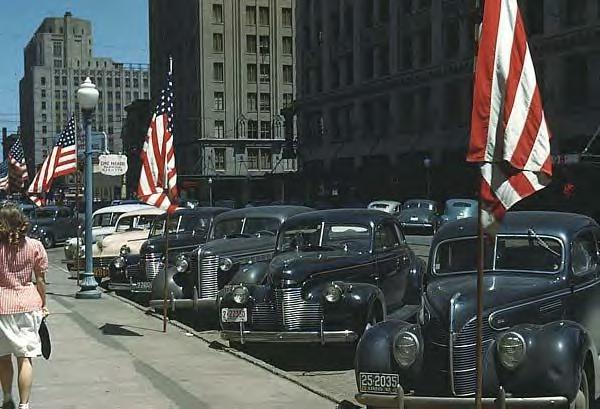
(210, 198)
(87, 95)
(427, 164)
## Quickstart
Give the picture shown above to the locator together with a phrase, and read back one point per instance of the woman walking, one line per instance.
(22, 303)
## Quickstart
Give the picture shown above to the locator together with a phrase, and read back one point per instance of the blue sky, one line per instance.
(120, 29)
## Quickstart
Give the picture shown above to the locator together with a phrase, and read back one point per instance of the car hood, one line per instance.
(297, 266)
(41, 222)
(499, 289)
(422, 214)
(158, 244)
(238, 245)
(111, 245)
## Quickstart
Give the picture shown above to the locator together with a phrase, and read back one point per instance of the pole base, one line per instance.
(89, 288)
(88, 294)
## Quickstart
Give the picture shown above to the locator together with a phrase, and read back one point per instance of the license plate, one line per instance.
(414, 219)
(378, 383)
(101, 271)
(234, 315)
(141, 286)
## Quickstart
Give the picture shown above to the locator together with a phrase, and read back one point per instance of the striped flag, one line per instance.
(17, 167)
(158, 177)
(62, 161)
(509, 135)
(4, 176)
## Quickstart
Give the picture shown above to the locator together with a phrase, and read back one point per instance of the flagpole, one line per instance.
(77, 250)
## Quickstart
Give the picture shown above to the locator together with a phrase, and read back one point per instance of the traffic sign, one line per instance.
(113, 165)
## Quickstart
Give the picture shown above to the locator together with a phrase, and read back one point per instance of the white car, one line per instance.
(388, 206)
(131, 232)
(104, 222)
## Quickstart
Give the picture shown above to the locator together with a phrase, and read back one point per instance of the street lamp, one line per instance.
(427, 164)
(210, 199)
(87, 95)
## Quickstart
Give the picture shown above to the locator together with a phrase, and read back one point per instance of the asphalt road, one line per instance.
(328, 370)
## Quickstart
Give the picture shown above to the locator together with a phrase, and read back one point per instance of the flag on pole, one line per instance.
(509, 135)
(158, 177)
(17, 167)
(62, 161)
(4, 176)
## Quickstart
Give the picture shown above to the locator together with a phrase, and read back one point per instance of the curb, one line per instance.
(232, 351)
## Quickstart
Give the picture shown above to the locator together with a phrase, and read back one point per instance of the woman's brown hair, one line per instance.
(13, 225)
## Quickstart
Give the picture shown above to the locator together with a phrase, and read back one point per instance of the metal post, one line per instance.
(210, 192)
(165, 282)
(78, 247)
(89, 288)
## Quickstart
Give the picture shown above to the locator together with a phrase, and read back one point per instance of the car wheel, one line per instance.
(582, 399)
(48, 241)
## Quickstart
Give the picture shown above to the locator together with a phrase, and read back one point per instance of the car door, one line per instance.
(391, 258)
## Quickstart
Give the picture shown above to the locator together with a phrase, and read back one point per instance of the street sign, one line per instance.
(113, 165)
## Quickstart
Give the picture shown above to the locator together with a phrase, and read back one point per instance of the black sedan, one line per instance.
(418, 216)
(541, 299)
(53, 224)
(335, 273)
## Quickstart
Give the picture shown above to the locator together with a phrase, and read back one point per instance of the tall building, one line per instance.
(233, 74)
(58, 58)
(385, 86)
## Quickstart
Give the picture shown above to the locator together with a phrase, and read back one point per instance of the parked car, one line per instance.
(418, 216)
(104, 222)
(387, 206)
(187, 229)
(335, 273)
(540, 320)
(459, 209)
(130, 233)
(53, 225)
(238, 239)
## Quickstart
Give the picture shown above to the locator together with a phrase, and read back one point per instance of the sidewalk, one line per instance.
(107, 354)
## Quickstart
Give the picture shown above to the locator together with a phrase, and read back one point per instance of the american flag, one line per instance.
(4, 176)
(18, 167)
(158, 177)
(62, 161)
(509, 135)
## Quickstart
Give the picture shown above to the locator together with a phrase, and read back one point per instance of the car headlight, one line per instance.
(119, 262)
(181, 263)
(511, 349)
(406, 348)
(225, 264)
(333, 293)
(125, 250)
(241, 295)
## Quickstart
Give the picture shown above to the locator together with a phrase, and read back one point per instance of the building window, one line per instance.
(57, 49)
(136, 95)
(218, 71)
(99, 82)
(145, 82)
(219, 129)
(264, 45)
(118, 95)
(251, 15)
(286, 17)
(253, 159)
(251, 44)
(44, 117)
(64, 94)
(136, 82)
(251, 73)
(127, 82)
(288, 100)
(57, 80)
(265, 73)
(43, 80)
(288, 45)
(218, 13)
(44, 141)
(218, 42)
(288, 74)
(220, 159)
(252, 129)
(259, 159)
(43, 93)
(128, 96)
(109, 82)
(265, 101)
(219, 103)
(146, 95)
(265, 130)
(57, 63)
(265, 159)
(252, 102)
(263, 16)
(43, 105)
(109, 95)
(117, 82)
(44, 129)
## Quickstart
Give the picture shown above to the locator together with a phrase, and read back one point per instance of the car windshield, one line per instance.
(45, 214)
(379, 206)
(416, 205)
(321, 236)
(267, 225)
(105, 219)
(507, 253)
(135, 223)
(181, 224)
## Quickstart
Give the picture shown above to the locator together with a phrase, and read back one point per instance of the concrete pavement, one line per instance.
(108, 354)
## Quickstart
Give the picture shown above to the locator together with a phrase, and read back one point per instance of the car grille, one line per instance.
(151, 265)
(464, 356)
(102, 261)
(294, 313)
(208, 277)
(264, 315)
(133, 271)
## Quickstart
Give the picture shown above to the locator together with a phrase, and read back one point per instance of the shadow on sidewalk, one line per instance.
(118, 330)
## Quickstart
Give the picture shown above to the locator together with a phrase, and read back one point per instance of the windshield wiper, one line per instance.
(541, 242)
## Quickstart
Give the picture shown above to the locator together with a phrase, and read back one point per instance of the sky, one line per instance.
(120, 31)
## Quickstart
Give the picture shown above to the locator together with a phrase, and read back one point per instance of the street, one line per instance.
(107, 353)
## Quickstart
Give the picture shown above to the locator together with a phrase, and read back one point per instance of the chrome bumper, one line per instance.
(131, 286)
(402, 401)
(184, 304)
(323, 337)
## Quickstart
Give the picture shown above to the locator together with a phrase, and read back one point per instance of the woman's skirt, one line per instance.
(19, 334)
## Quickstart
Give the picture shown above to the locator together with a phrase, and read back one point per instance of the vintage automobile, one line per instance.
(187, 229)
(418, 216)
(459, 209)
(238, 238)
(130, 233)
(53, 224)
(103, 223)
(387, 206)
(334, 274)
(540, 330)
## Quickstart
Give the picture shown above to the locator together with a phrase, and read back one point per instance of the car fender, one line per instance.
(414, 287)
(251, 273)
(172, 286)
(555, 354)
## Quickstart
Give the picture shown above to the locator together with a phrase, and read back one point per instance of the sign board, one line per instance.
(113, 165)
(566, 159)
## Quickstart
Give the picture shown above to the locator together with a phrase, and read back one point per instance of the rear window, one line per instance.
(461, 204)
(379, 206)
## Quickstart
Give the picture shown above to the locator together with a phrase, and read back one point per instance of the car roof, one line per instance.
(143, 212)
(122, 208)
(385, 202)
(470, 201)
(421, 201)
(544, 223)
(277, 212)
(201, 211)
(358, 216)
